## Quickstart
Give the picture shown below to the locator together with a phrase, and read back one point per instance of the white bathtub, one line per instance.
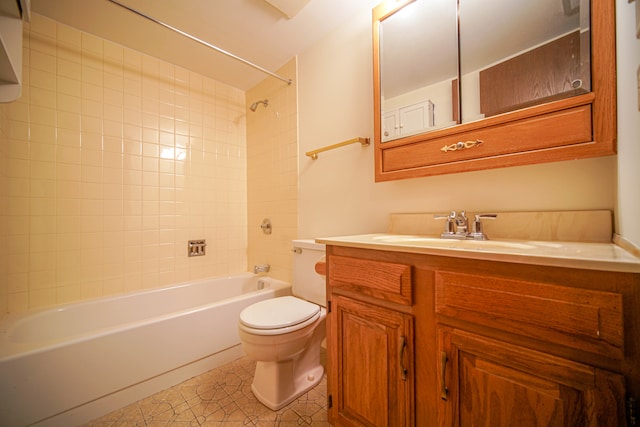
(69, 364)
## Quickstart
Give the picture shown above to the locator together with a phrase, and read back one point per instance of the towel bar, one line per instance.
(314, 153)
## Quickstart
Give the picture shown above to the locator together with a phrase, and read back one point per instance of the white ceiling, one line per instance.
(252, 29)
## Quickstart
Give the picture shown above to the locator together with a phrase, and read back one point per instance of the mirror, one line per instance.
(418, 65)
(518, 54)
(510, 54)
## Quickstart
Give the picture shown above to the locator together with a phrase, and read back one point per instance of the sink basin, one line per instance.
(451, 243)
(589, 255)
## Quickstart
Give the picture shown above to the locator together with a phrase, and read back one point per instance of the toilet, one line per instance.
(283, 335)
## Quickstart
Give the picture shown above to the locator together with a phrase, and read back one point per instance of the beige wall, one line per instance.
(112, 161)
(337, 192)
(628, 66)
(4, 208)
(272, 171)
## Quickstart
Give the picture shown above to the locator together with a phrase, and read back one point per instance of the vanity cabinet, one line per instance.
(486, 381)
(374, 344)
(370, 341)
(487, 343)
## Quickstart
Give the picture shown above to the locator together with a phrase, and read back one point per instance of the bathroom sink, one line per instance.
(590, 255)
(438, 242)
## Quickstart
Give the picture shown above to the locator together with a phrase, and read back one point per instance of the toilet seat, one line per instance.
(278, 315)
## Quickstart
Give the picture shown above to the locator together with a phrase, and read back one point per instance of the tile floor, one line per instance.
(220, 397)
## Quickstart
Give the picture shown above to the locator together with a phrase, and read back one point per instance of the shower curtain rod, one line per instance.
(216, 48)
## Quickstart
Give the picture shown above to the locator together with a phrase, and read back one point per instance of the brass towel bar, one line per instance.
(314, 153)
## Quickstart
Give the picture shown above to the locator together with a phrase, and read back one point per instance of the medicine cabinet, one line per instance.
(462, 85)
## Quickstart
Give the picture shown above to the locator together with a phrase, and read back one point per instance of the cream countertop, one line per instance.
(591, 256)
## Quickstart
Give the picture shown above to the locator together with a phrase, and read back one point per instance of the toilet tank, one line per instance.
(307, 284)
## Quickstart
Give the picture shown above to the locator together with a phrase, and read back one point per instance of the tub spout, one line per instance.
(261, 268)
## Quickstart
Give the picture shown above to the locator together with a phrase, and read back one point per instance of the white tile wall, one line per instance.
(112, 160)
(272, 170)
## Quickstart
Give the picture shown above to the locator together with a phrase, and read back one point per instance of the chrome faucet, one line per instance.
(462, 224)
(457, 226)
(449, 225)
(261, 268)
(477, 233)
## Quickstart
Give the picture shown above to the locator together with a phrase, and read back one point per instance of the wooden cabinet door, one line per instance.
(370, 365)
(484, 382)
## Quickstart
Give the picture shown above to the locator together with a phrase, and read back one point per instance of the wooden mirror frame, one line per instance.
(582, 126)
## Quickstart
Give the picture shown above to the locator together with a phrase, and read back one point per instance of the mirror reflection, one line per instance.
(518, 54)
(418, 63)
(510, 55)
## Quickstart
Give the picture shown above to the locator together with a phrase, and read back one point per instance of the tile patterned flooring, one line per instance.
(220, 397)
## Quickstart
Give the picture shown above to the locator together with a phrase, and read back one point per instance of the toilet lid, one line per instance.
(278, 313)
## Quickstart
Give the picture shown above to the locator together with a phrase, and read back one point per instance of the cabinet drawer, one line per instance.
(577, 318)
(383, 280)
(565, 127)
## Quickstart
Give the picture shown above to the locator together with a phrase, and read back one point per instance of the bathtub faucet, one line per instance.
(261, 268)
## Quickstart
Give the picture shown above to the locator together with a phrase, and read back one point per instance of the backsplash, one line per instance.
(567, 226)
(112, 161)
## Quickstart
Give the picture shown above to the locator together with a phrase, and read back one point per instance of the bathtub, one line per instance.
(69, 364)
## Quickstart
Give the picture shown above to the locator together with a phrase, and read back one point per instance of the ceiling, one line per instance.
(255, 30)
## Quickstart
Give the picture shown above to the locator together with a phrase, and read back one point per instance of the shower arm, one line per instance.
(216, 48)
(254, 106)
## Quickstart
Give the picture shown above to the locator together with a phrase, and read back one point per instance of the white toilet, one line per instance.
(284, 334)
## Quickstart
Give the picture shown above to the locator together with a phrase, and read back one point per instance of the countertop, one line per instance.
(591, 256)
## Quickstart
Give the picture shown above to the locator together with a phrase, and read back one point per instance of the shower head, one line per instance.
(254, 106)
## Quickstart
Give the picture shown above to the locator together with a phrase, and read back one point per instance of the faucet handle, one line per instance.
(451, 215)
(485, 216)
(477, 233)
(449, 226)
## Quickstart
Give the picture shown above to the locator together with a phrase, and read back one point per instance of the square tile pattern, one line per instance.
(220, 397)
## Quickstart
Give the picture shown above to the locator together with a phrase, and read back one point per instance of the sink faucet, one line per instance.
(462, 224)
(261, 268)
(457, 226)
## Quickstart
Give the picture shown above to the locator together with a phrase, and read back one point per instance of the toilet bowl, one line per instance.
(284, 335)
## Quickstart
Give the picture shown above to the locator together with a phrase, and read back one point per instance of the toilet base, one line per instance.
(288, 365)
(274, 384)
